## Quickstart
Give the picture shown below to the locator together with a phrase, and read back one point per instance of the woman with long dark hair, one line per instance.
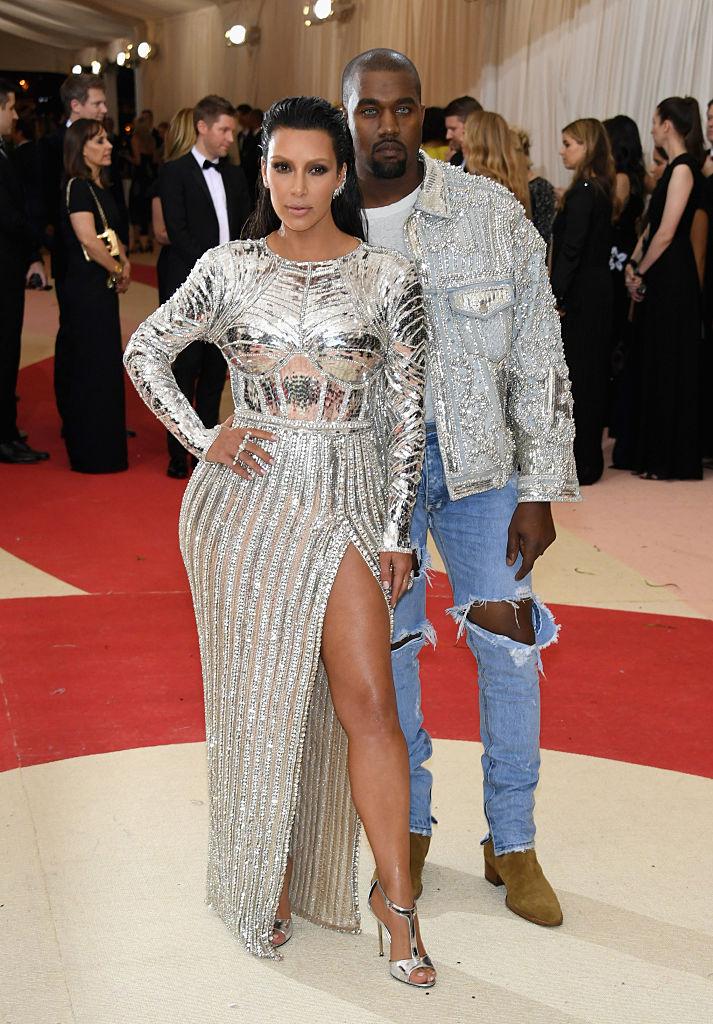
(663, 274)
(581, 281)
(630, 173)
(97, 271)
(295, 518)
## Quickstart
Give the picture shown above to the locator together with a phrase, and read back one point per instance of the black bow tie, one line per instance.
(207, 164)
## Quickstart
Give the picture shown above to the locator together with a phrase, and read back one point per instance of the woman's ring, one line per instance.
(241, 448)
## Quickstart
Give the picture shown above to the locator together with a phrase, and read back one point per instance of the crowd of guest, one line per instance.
(630, 254)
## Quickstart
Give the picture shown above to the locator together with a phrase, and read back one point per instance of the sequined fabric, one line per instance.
(500, 382)
(328, 356)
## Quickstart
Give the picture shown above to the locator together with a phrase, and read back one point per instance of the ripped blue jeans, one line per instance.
(471, 537)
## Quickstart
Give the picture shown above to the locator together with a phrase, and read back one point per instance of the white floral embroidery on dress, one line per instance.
(617, 260)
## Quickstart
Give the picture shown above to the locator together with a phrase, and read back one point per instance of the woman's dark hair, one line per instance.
(434, 125)
(685, 115)
(626, 149)
(310, 113)
(76, 137)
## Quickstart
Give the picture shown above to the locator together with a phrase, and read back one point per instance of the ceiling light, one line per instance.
(77, 69)
(96, 67)
(121, 58)
(236, 35)
(146, 50)
(322, 11)
(239, 35)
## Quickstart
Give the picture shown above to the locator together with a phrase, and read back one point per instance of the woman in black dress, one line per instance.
(630, 173)
(581, 281)
(663, 274)
(97, 269)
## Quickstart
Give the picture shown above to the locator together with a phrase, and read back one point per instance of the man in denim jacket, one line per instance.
(498, 451)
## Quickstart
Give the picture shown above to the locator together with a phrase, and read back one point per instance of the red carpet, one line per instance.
(119, 668)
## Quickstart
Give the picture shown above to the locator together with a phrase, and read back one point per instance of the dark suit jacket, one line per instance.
(191, 221)
(18, 242)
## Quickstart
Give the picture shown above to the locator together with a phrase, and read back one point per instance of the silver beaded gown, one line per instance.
(329, 356)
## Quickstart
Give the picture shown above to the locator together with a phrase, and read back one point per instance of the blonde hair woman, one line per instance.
(489, 149)
(179, 141)
(543, 200)
(581, 281)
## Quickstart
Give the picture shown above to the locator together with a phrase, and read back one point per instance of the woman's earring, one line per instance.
(339, 189)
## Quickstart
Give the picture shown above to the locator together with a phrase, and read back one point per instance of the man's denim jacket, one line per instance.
(500, 383)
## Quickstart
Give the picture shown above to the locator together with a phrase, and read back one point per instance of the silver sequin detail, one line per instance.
(328, 356)
(500, 383)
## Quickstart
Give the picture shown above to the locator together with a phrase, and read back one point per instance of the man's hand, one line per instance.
(37, 267)
(530, 534)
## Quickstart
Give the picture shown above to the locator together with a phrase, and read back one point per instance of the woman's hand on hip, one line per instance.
(396, 574)
(237, 449)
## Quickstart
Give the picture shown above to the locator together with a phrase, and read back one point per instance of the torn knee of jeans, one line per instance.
(543, 622)
(421, 635)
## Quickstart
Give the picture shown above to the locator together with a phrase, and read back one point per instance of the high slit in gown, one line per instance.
(329, 356)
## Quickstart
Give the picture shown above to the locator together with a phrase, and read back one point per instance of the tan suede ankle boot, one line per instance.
(529, 894)
(419, 850)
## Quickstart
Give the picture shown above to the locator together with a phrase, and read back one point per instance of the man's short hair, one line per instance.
(76, 87)
(461, 107)
(210, 108)
(379, 59)
(6, 88)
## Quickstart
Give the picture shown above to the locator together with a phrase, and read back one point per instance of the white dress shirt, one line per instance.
(216, 187)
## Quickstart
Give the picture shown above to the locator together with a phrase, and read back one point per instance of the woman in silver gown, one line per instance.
(294, 530)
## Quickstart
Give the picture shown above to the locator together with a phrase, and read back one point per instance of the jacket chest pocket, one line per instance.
(484, 312)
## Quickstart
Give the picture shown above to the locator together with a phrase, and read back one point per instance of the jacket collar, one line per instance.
(433, 197)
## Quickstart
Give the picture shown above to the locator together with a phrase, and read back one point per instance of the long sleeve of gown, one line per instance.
(192, 313)
(405, 364)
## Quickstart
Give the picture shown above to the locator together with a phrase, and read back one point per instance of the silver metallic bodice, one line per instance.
(329, 343)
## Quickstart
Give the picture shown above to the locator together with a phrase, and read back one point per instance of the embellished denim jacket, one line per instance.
(501, 389)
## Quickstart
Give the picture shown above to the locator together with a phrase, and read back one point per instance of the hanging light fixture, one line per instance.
(96, 67)
(146, 50)
(77, 69)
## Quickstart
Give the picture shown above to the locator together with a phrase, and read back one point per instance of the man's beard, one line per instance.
(392, 169)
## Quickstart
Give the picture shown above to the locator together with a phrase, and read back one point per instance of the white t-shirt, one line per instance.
(386, 229)
(214, 181)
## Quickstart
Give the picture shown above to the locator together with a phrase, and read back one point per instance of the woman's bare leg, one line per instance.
(357, 657)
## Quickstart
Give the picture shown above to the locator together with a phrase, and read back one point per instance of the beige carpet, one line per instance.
(103, 920)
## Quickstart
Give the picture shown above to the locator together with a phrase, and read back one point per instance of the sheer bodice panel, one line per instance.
(305, 349)
(334, 342)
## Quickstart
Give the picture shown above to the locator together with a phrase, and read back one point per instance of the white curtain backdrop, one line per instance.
(541, 63)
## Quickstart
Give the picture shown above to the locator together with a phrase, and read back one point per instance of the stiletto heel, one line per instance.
(492, 876)
(401, 970)
(284, 927)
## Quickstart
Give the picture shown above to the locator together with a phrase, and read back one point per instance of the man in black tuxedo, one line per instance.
(205, 203)
(19, 261)
(82, 96)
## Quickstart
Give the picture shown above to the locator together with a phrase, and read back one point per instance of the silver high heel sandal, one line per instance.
(402, 970)
(284, 927)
